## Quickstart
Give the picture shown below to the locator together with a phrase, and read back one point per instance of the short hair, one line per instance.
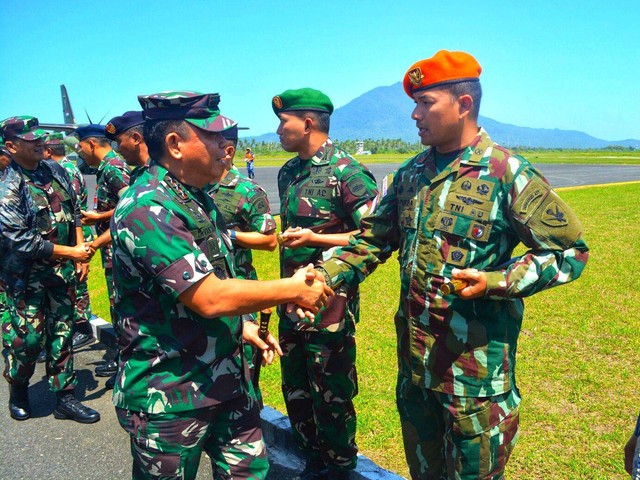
(102, 141)
(472, 89)
(56, 149)
(321, 119)
(136, 129)
(230, 141)
(155, 131)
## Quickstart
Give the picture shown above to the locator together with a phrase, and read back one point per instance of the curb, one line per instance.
(276, 429)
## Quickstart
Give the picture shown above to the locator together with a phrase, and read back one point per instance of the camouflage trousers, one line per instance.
(319, 382)
(169, 446)
(4, 317)
(42, 316)
(83, 308)
(108, 276)
(451, 437)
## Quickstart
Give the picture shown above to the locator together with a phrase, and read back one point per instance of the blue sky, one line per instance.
(548, 64)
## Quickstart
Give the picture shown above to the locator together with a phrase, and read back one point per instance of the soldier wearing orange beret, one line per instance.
(456, 212)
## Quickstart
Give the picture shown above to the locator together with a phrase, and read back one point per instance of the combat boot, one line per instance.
(19, 407)
(314, 469)
(69, 407)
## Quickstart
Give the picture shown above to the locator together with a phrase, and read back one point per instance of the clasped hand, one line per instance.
(295, 237)
(315, 297)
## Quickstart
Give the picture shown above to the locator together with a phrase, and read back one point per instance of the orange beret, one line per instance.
(443, 68)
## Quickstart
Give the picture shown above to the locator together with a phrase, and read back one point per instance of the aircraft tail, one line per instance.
(66, 106)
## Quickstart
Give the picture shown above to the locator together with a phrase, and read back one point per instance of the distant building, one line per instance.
(360, 149)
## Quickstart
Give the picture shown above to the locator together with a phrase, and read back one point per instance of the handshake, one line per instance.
(312, 293)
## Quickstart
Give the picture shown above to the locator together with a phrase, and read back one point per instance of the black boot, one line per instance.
(108, 369)
(19, 407)
(69, 407)
(109, 384)
(313, 470)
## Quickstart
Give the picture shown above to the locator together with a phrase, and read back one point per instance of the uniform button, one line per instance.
(203, 263)
(186, 275)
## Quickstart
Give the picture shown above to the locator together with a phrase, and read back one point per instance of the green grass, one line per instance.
(578, 353)
(626, 157)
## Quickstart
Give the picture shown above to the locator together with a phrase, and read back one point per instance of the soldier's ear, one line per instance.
(10, 146)
(308, 124)
(136, 137)
(465, 103)
(173, 142)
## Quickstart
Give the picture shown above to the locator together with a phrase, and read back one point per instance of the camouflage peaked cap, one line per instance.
(199, 109)
(122, 123)
(302, 99)
(24, 127)
(54, 139)
(444, 68)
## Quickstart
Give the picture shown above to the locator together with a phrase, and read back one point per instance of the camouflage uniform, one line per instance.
(182, 385)
(83, 305)
(112, 180)
(456, 357)
(37, 209)
(319, 378)
(244, 205)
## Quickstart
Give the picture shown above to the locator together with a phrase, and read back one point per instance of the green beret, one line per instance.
(303, 99)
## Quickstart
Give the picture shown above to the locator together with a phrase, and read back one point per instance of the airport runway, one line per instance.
(559, 175)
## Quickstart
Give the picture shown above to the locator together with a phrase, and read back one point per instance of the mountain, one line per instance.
(385, 112)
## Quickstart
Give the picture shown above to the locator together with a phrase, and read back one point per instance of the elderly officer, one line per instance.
(126, 131)
(181, 385)
(54, 149)
(41, 239)
(457, 211)
(324, 194)
(245, 208)
(112, 180)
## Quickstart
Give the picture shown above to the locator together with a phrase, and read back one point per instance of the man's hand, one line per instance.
(82, 271)
(90, 217)
(269, 346)
(82, 252)
(308, 313)
(296, 237)
(476, 282)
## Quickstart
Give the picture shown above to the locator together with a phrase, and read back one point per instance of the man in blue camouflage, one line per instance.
(324, 194)
(42, 246)
(456, 212)
(182, 386)
(54, 149)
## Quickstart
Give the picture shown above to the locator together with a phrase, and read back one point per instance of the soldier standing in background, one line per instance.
(245, 208)
(324, 194)
(112, 180)
(126, 131)
(457, 211)
(181, 387)
(5, 160)
(249, 157)
(41, 240)
(54, 149)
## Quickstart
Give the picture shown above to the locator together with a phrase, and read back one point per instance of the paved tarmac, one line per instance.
(558, 175)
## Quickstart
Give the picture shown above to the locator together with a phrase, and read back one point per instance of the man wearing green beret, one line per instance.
(54, 149)
(324, 194)
(182, 387)
(455, 213)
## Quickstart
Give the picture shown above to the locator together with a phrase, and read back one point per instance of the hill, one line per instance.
(385, 112)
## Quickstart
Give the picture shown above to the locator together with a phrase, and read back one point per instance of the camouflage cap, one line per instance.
(302, 99)
(24, 127)
(55, 138)
(444, 68)
(122, 123)
(91, 130)
(199, 109)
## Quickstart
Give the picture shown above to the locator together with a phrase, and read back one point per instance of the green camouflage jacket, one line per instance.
(245, 207)
(471, 215)
(80, 187)
(112, 180)
(166, 238)
(330, 187)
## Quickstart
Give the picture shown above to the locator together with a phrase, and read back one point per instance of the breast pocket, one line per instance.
(44, 215)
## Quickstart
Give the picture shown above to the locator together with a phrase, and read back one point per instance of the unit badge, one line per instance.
(466, 185)
(415, 76)
(277, 101)
(457, 255)
(483, 189)
(110, 128)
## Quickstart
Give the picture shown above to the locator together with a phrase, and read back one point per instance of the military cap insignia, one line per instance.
(110, 128)
(277, 101)
(415, 76)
